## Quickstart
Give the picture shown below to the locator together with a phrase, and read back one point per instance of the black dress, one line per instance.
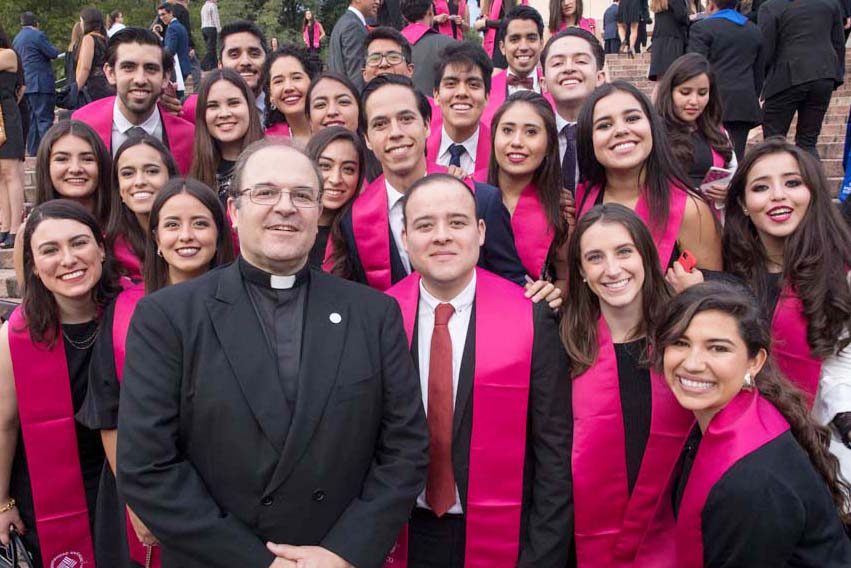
(636, 404)
(771, 508)
(100, 412)
(88, 443)
(701, 159)
(670, 37)
(13, 148)
(629, 12)
(97, 86)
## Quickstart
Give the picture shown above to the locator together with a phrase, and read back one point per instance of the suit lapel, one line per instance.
(321, 347)
(247, 351)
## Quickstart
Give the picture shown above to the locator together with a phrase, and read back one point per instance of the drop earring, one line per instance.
(748, 384)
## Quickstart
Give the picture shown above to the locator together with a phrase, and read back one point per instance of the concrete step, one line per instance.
(6, 259)
(8, 284)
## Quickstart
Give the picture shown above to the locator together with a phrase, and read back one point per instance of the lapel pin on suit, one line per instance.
(335, 317)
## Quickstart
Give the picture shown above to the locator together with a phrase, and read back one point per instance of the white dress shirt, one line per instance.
(394, 214)
(358, 14)
(153, 125)
(210, 16)
(562, 143)
(458, 324)
(536, 86)
(468, 158)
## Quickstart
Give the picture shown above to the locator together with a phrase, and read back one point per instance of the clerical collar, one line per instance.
(267, 280)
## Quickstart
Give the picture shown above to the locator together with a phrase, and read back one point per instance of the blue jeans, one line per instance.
(41, 118)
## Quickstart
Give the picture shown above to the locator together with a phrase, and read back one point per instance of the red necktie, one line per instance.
(440, 486)
(525, 82)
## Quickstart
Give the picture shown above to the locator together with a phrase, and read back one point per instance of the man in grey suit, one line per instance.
(426, 42)
(346, 52)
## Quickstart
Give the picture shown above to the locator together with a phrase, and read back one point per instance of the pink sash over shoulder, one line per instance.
(789, 344)
(442, 7)
(128, 260)
(500, 399)
(316, 34)
(46, 412)
(483, 148)
(415, 32)
(533, 234)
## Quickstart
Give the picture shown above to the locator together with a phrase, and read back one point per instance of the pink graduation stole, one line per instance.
(718, 160)
(789, 344)
(533, 234)
(747, 423)
(371, 228)
(483, 148)
(414, 32)
(489, 42)
(46, 412)
(442, 7)
(125, 305)
(665, 238)
(611, 525)
(316, 35)
(499, 92)
(128, 260)
(188, 111)
(180, 133)
(279, 129)
(500, 402)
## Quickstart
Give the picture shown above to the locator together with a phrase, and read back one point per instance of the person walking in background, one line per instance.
(89, 75)
(313, 32)
(12, 150)
(670, 35)
(176, 41)
(804, 47)
(610, 28)
(36, 52)
(181, 12)
(629, 14)
(114, 22)
(210, 28)
(346, 49)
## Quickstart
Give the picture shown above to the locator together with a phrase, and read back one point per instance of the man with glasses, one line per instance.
(236, 439)
(387, 51)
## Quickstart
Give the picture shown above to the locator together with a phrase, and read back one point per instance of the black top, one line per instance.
(99, 410)
(774, 289)
(89, 446)
(636, 403)
(701, 160)
(771, 508)
(317, 253)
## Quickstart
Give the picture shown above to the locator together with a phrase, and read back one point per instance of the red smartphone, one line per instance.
(171, 90)
(687, 261)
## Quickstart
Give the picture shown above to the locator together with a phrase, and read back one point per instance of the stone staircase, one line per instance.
(831, 141)
(8, 285)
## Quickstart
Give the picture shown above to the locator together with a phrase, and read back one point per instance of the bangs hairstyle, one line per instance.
(39, 306)
(556, 19)
(581, 309)
(596, 47)
(737, 302)
(423, 105)
(44, 190)
(342, 80)
(816, 257)
(660, 168)
(547, 178)
(156, 268)
(308, 64)
(206, 149)
(122, 221)
(464, 55)
(140, 36)
(684, 69)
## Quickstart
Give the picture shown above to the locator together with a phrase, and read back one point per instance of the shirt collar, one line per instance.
(561, 123)
(358, 14)
(123, 125)
(265, 279)
(534, 74)
(463, 301)
(471, 144)
(393, 196)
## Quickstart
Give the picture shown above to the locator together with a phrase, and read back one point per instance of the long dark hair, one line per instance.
(582, 307)
(156, 268)
(92, 21)
(547, 178)
(308, 63)
(708, 123)
(342, 265)
(738, 303)
(660, 167)
(206, 148)
(39, 304)
(816, 257)
(44, 190)
(555, 15)
(122, 221)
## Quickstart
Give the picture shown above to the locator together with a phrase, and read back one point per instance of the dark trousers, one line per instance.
(210, 36)
(810, 100)
(613, 45)
(738, 132)
(41, 118)
(435, 542)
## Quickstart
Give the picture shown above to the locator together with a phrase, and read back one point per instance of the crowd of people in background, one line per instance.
(389, 295)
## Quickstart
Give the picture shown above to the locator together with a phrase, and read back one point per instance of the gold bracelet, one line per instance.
(10, 504)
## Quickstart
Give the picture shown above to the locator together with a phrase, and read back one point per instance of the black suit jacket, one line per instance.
(546, 527)
(205, 457)
(803, 41)
(736, 55)
(498, 254)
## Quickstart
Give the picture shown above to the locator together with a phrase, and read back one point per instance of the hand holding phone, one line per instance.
(716, 176)
(687, 261)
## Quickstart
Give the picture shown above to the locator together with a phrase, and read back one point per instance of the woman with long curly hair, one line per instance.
(757, 484)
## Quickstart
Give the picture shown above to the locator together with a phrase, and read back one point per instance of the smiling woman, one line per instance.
(289, 70)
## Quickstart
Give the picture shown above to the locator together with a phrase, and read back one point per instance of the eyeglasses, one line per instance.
(266, 194)
(392, 57)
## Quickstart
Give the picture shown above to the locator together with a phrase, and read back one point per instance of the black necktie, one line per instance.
(455, 153)
(568, 163)
(135, 132)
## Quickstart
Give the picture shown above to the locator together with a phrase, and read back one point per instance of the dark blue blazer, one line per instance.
(498, 254)
(36, 51)
(176, 42)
